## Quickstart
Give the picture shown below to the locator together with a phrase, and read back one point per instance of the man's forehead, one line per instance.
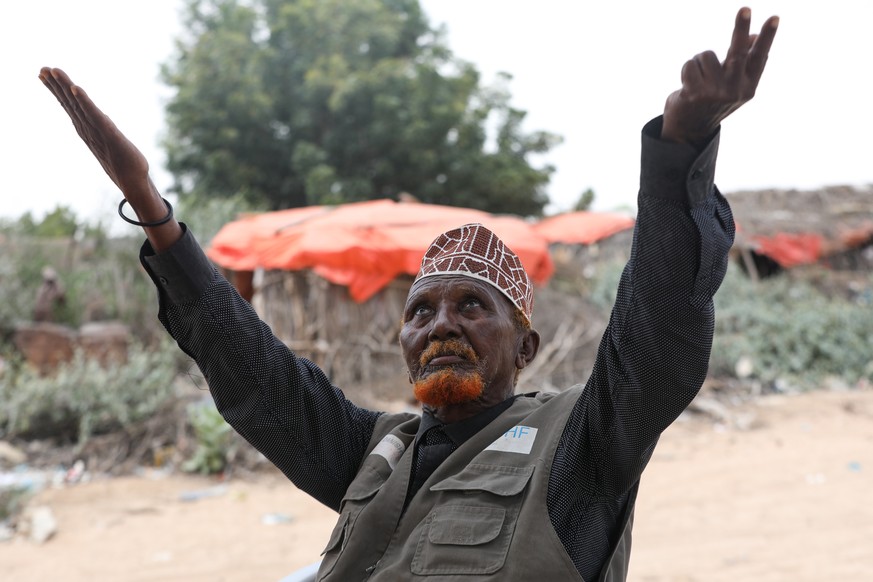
(451, 283)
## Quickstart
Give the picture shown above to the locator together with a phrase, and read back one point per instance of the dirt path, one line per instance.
(787, 499)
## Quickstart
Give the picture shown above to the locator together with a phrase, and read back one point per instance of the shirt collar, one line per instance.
(461, 431)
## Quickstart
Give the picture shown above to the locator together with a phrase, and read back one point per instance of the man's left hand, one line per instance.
(712, 90)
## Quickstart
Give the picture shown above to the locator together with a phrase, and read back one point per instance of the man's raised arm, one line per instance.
(655, 352)
(121, 160)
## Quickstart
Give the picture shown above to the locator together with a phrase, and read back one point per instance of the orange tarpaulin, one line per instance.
(582, 227)
(364, 245)
(790, 250)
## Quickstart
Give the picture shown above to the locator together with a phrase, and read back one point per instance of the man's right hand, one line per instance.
(122, 161)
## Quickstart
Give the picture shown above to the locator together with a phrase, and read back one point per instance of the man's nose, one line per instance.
(444, 325)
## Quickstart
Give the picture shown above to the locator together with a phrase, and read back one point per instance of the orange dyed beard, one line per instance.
(449, 386)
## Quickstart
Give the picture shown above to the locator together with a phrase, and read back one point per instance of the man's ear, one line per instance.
(530, 345)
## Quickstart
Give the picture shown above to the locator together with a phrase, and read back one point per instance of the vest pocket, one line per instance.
(338, 535)
(359, 494)
(334, 546)
(470, 531)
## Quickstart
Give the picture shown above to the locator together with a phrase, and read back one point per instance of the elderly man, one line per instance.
(485, 484)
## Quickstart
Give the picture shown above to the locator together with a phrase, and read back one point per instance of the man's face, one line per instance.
(461, 343)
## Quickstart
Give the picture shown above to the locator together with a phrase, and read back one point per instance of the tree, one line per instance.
(60, 222)
(586, 199)
(296, 102)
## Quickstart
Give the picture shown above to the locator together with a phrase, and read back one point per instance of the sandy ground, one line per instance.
(784, 498)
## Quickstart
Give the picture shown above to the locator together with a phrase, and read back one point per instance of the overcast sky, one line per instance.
(593, 72)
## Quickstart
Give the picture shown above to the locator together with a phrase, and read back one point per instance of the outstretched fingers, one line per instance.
(735, 69)
(740, 38)
(92, 125)
(712, 90)
(748, 53)
(52, 84)
(761, 48)
(63, 89)
(59, 84)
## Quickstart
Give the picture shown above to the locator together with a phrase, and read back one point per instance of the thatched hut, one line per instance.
(781, 229)
(583, 240)
(332, 281)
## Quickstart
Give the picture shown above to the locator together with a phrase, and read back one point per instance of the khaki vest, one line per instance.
(481, 515)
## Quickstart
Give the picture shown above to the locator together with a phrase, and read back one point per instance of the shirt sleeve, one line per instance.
(282, 404)
(654, 354)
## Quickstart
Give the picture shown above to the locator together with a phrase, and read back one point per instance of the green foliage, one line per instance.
(214, 438)
(586, 199)
(288, 103)
(791, 331)
(205, 216)
(83, 398)
(18, 286)
(603, 287)
(13, 501)
(102, 279)
(61, 222)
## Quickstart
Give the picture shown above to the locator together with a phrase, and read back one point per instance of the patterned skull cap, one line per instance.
(474, 251)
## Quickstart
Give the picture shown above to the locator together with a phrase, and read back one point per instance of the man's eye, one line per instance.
(471, 303)
(421, 310)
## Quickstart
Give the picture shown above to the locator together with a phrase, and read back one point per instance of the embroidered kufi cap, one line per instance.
(474, 251)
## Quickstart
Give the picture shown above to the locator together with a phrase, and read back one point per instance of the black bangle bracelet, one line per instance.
(146, 224)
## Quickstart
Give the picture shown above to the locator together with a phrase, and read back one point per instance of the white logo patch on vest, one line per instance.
(518, 439)
(391, 449)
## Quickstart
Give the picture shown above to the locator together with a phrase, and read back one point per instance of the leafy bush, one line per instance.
(791, 331)
(60, 222)
(214, 439)
(604, 285)
(102, 279)
(101, 276)
(83, 398)
(12, 501)
(799, 328)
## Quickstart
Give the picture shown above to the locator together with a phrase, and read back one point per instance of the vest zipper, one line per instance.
(371, 569)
